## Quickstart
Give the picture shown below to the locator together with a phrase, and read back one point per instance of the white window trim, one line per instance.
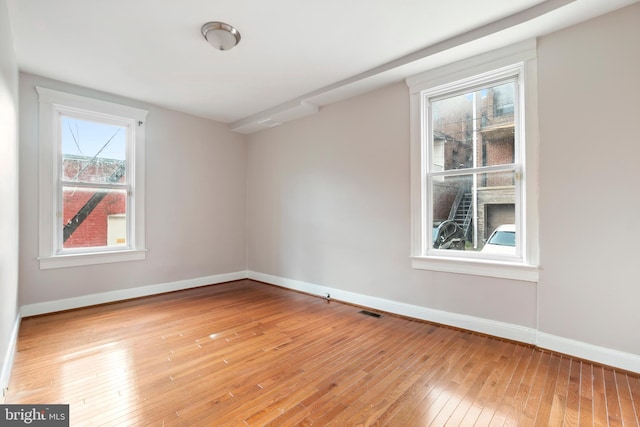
(52, 102)
(526, 268)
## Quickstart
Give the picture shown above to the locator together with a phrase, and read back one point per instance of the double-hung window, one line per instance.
(91, 180)
(473, 166)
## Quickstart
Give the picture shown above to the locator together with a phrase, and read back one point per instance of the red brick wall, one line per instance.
(93, 230)
(499, 153)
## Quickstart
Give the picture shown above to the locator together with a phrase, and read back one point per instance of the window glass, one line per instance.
(503, 99)
(466, 133)
(88, 217)
(475, 205)
(472, 169)
(93, 153)
(503, 238)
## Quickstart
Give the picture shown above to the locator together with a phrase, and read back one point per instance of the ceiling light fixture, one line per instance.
(220, 35)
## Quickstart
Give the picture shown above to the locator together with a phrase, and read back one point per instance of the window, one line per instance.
(473, 157)
(91, 181)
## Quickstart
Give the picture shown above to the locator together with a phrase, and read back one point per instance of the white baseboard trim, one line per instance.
(124, 294)
(598, 354)
(490, 327)
(7, 362)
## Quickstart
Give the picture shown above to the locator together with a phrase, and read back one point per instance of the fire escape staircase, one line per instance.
(461, 210)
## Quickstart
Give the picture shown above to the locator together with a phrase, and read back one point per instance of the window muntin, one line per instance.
(90, 149)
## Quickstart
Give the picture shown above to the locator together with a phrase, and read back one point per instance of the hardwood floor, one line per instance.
(245, 353)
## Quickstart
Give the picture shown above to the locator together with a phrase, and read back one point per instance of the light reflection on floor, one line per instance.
(103, 373)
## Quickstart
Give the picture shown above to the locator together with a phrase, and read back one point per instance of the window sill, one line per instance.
(75, 260)
(478, 267)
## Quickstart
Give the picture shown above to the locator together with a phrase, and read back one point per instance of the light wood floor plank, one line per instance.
(627, 411)
(634, 389)
(245, 353)
(572, 412)
(586, 394)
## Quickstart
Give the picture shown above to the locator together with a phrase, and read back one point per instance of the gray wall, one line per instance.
(8, 185)
(195, 204)
(589, 88)
(329, 205)
(328, 197)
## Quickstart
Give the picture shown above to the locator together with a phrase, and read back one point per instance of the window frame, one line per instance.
(461, 87)
(495, 66)
(53, 105)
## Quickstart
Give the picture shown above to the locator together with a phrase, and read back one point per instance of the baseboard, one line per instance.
(582, 350)
(597, 354)
(486, 326)
(7, 362)
(124, 294)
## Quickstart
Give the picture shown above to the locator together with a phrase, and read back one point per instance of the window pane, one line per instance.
(474, 129)
(94, 217)
(92, 152)
(452, 211)
(468, 208)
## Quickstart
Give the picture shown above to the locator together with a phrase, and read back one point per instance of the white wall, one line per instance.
(8, 193)
(195, 204)
(589, 87)
(328, 198)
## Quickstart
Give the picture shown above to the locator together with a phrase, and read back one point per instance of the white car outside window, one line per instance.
(502, 240)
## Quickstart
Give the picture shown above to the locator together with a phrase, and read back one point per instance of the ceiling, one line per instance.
(294, 57)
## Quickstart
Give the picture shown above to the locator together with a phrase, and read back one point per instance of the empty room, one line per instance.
(320, 213)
